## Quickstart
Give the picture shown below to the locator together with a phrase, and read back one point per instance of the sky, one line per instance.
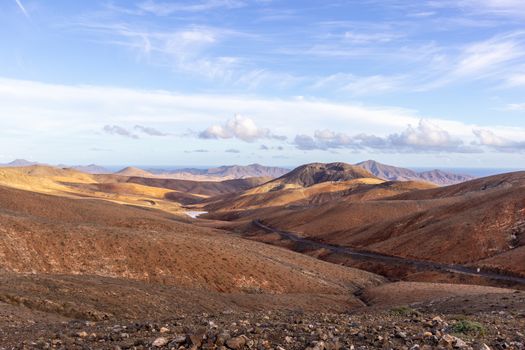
(427, 83)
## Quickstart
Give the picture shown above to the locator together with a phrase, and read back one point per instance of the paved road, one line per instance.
(428, 265)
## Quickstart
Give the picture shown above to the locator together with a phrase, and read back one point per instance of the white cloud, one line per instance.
(512, 8)
(22, 8)
(515, 107)
(150, 131)
(367, 38)
(241, 128)
(515, 79)
(488, 55)
(188, 49)
(361, 85)
(498, 143)
(425, 137)
(54, 111)
(118, 130)
(168, 8)
(498, 58)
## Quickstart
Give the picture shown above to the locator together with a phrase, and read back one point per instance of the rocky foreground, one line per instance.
(396, 328)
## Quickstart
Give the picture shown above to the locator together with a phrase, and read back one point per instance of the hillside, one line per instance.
(114, 249)
(393, 173)
(133, 171)
(477, 222)
(311, 184)
(50, 234)
(204, 188)
(315, 173)
(164, 194)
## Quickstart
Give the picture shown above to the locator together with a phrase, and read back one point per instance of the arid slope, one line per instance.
(49, 234)
(480, 221)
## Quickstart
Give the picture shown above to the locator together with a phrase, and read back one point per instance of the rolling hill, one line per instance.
(115, 249)
(315, 173)
(480, 222)
(313, 185)
(44, 234)
(134, 171)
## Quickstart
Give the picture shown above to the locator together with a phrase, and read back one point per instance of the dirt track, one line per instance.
(420, 264)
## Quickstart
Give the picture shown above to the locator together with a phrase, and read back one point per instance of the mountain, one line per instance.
(443, 178)
(133, 171)
(393, 173)
(308, 184)
(315, 173)
(91, 169)
(20, 163)
(252, 170)
(224, 172)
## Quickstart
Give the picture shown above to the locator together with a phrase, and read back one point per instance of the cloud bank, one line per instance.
(425, 137)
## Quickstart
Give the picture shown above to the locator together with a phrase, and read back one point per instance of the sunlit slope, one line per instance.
(477, 222)
(52, 234)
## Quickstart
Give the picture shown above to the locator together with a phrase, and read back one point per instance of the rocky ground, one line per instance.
(496, 324)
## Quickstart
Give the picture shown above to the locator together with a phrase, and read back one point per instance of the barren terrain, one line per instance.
(119, 250)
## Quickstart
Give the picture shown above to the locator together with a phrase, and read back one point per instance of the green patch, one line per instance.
(403, 311)
(467, 327)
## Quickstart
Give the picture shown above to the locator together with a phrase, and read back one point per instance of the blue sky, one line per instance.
(210, 82)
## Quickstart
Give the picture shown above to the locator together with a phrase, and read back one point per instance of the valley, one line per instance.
(92, 250)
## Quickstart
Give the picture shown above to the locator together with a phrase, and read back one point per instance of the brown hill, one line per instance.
(50, 234)
(122, 189)
(267, 195)
(133, 171)
(314, 173)
(480, 222)
(204, 188)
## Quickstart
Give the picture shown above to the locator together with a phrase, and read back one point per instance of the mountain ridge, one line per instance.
(393, 173)
(229, 171)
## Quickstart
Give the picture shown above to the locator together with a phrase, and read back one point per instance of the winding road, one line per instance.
(422, 264)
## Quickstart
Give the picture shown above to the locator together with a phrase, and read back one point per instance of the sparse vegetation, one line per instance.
(403, 311)
(468, 327)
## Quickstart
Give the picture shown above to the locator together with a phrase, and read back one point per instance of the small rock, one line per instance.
(164, 330)
(82, 334)
(460, 343)
(180, 338)
(236, 343)
(401, 335)
(159, 342)
(320, 345)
